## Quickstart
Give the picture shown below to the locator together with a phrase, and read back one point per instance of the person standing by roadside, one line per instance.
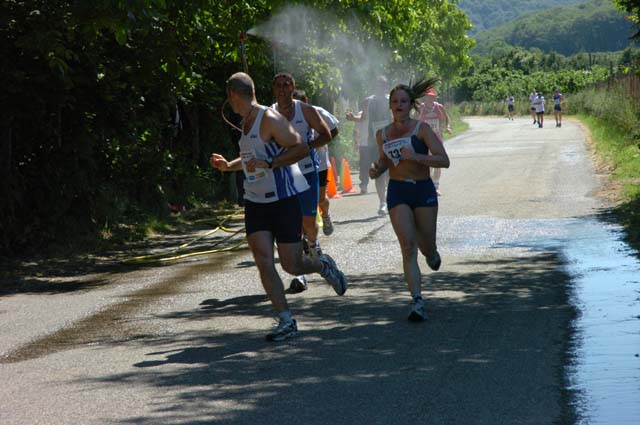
(435, 114)
(376, 114)
(558, 100)
(409, 149)
(361, 143)
(270, 149)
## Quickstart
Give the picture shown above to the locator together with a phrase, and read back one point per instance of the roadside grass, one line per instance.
(620, 153)
(458, 125)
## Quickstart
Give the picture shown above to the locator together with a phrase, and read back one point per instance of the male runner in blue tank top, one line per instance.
(269, 151)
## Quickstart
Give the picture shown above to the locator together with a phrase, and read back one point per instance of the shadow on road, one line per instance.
(484, 356)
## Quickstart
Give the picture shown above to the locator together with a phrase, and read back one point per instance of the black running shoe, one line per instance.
(283, 331)
(435, 262)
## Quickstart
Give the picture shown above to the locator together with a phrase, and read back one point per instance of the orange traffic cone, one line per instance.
(336, 176)
(347, 186)
(332, 190)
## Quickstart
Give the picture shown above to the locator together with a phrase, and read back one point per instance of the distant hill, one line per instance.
(594, 26)
(486, 14)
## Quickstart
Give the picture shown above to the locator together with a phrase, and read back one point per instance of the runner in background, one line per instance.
(299, 283)
(307, 122)
(558, 100)
(434, 114)
(539, 102)
(510, 106)
(532, 108)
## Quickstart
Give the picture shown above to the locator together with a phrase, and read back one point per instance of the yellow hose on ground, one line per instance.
(161, 257)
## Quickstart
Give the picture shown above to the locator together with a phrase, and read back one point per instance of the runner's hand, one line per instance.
(218, 161)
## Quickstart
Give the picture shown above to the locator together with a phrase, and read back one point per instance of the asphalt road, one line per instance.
(183, 343)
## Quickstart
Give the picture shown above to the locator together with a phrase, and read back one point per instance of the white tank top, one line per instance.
(323, 152)
(432, 116)
(267, 185)
(300, 124)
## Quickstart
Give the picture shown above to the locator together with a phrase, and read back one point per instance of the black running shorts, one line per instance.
(282, 218)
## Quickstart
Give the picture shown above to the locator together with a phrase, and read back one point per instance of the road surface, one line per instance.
(183, 343)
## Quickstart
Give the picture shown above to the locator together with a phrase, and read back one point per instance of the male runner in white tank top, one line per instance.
(269, 151)
(299, 283)
(305, 119)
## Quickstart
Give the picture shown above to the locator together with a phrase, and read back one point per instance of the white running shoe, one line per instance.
(333, 275)
(298, 284)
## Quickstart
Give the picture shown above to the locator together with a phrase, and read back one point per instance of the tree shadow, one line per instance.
(66, 274)
(491, 352)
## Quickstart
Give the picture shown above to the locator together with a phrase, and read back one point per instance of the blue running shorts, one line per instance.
(415, 194)
(309, 198)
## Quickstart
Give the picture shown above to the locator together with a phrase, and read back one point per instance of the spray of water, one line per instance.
(297, 31)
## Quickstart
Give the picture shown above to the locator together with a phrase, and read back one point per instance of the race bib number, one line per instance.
(435, 126)
(252, 176)
(393, 148)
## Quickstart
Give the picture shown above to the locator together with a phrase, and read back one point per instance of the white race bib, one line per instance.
(252, 176)
(393, 148)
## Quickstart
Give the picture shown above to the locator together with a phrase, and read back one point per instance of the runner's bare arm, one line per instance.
(276, 127)
(437, 157)
(220, 162)
(317, 123)
(447, 120)
(381, 165)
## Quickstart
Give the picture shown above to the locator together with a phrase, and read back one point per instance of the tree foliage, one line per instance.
(518, 72)
(112, 107)
(633, 7)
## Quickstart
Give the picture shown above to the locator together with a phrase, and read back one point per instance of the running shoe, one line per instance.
(298, 284)
(417, 313)
(333, 275)
(327, 225)
(435, 261)
(383, 209)
(283, 331)
(314, 249)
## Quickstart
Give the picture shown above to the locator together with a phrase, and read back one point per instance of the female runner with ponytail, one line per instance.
(409, 150)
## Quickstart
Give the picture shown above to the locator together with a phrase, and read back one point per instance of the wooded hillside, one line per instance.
(486, 14)
(595, 26)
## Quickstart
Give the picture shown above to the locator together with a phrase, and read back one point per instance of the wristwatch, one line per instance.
(269, 162)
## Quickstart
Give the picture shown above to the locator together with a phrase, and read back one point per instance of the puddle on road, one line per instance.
(605, 369)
